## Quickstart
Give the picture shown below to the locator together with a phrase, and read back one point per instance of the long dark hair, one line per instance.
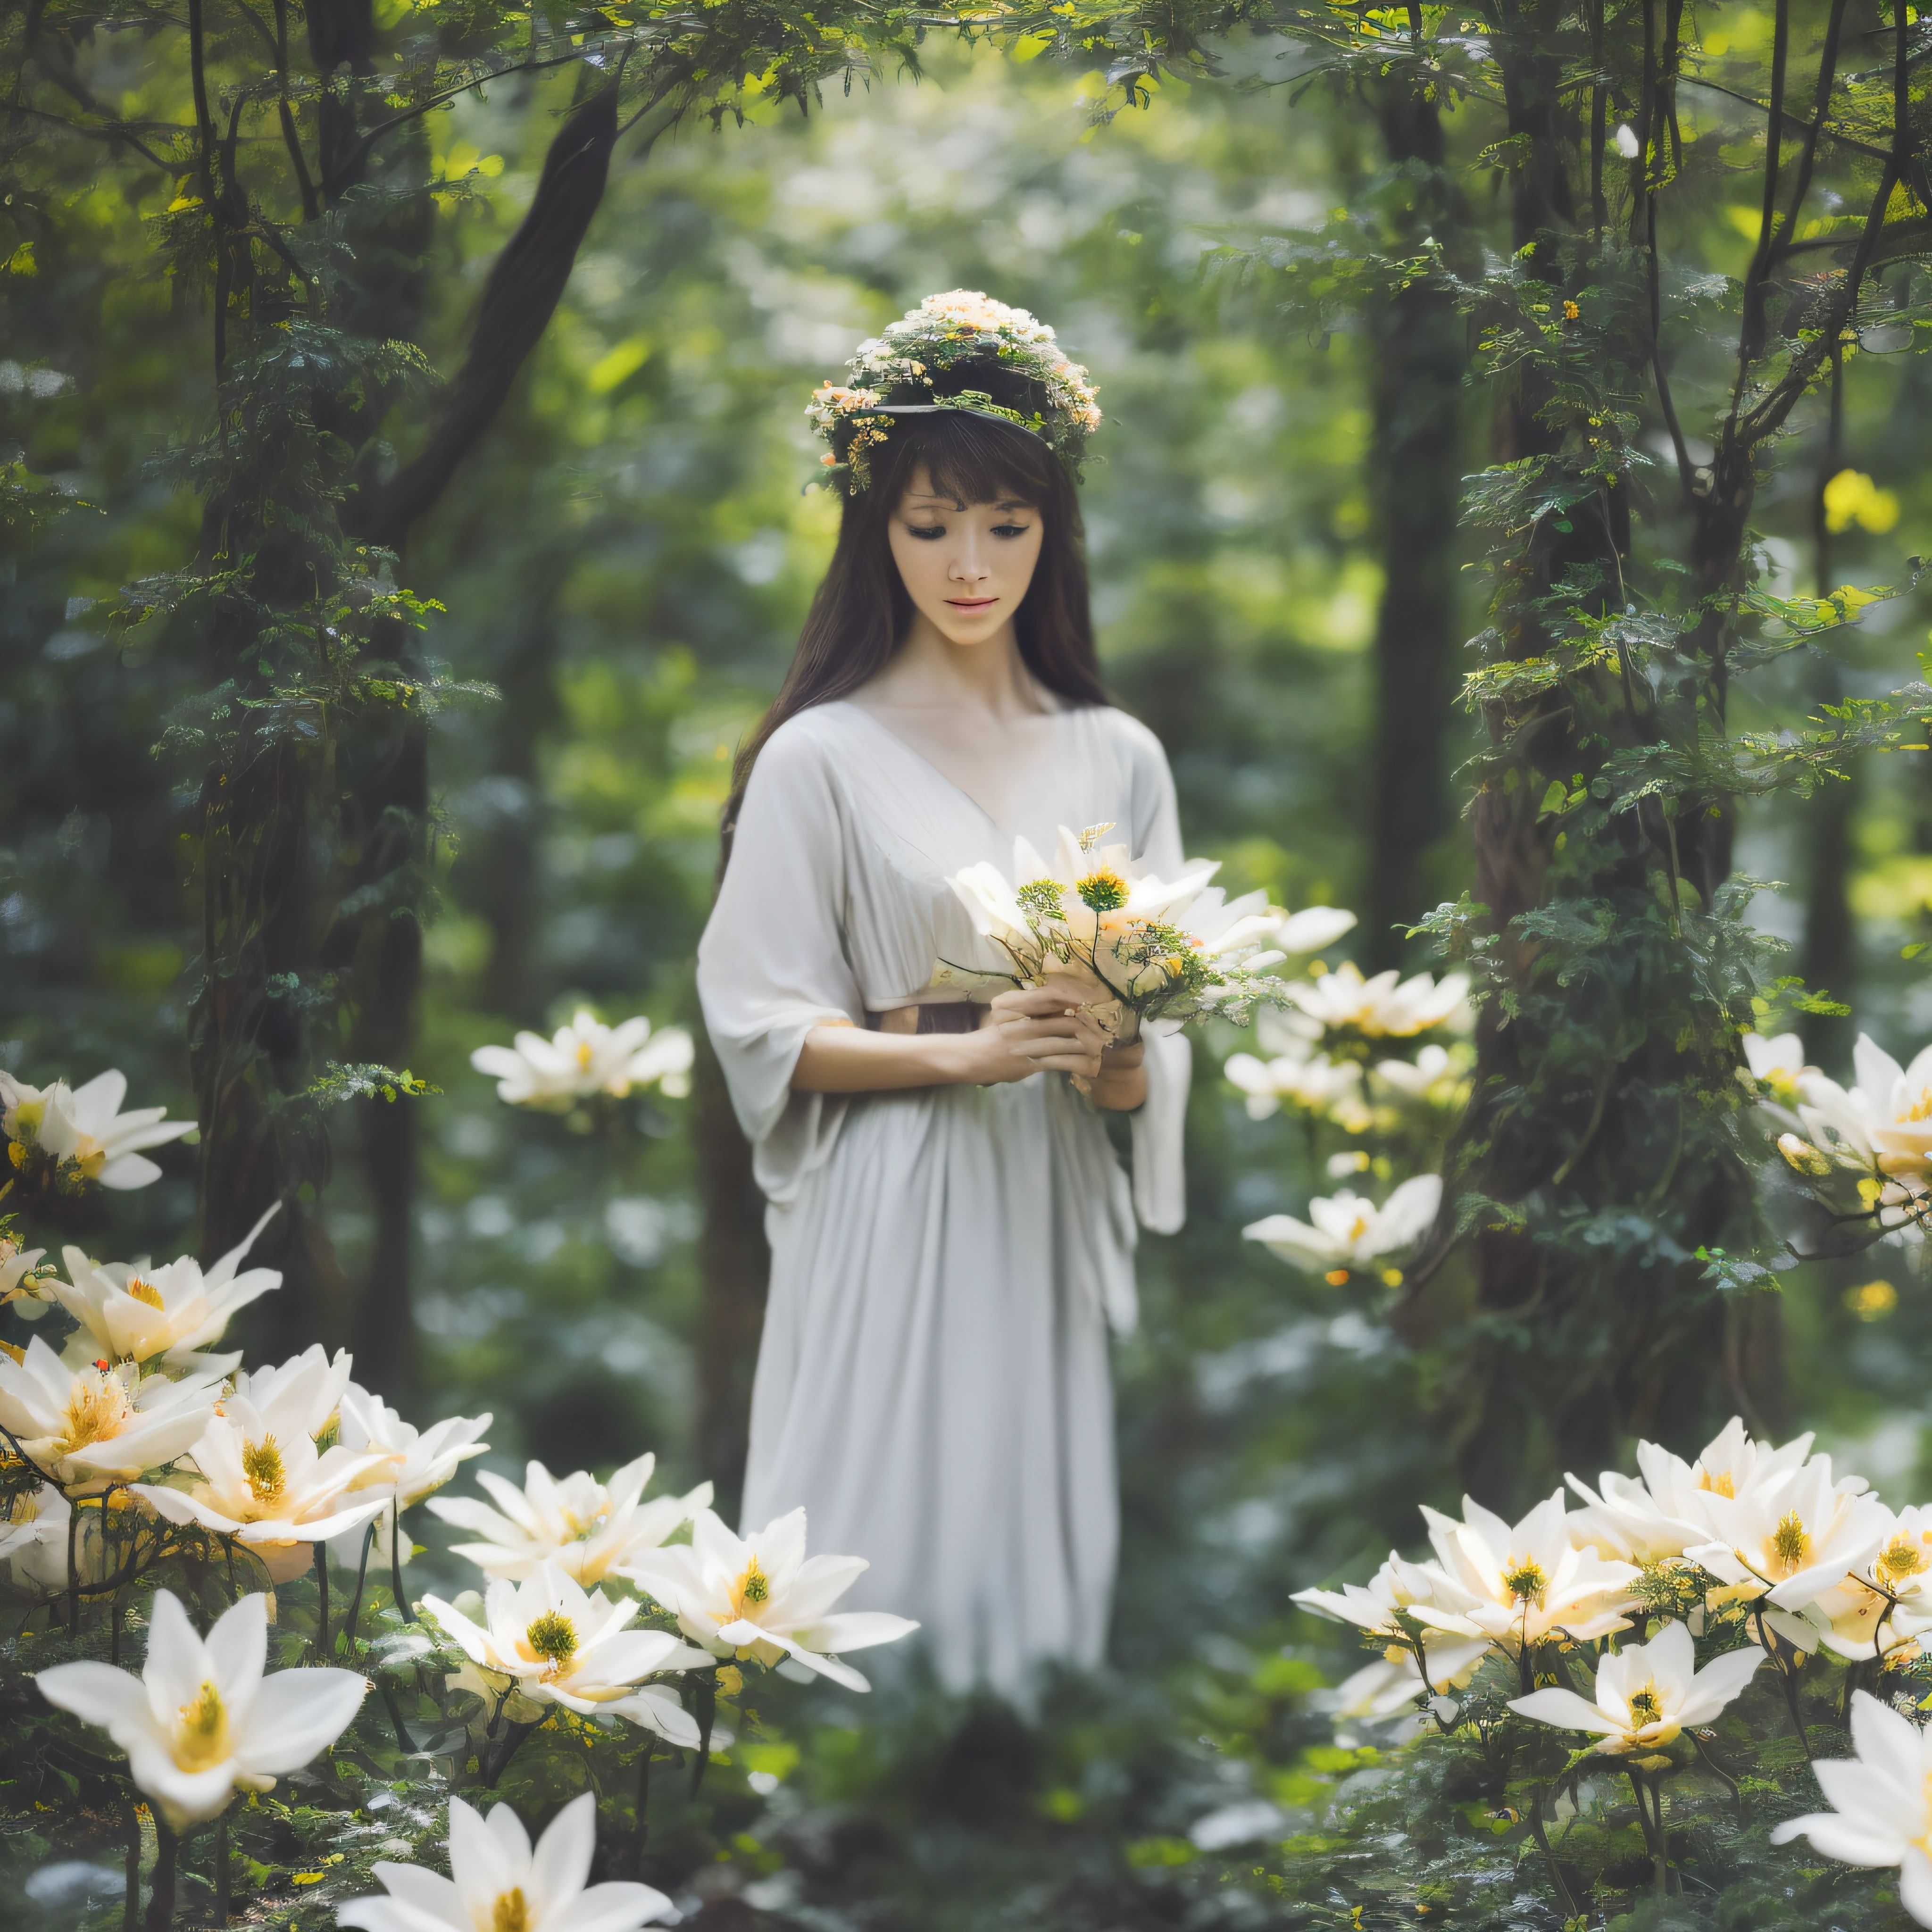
(862, 610)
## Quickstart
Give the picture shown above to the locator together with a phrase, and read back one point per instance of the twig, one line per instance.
(361, 1570)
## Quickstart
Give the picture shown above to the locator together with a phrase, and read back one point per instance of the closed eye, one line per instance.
(1011, 530)
(925, 534)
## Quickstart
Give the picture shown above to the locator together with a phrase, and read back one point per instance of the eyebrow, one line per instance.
(1005, 502)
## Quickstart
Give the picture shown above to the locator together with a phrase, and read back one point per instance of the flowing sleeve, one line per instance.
(772, 964)
(1159, 1124)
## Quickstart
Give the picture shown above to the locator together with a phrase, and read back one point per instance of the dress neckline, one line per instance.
(912, 750)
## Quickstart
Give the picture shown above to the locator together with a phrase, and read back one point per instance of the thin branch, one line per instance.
(1824, 130)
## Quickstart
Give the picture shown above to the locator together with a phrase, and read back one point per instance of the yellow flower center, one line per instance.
(1645, 1705)
(146, 1290)
(201, 1731)
(583, 1065)
(1718, 1482)
(262, 1464)
(1920, 1109)
(751, 1590)
(1901, 1557)
(97, 1409)
(552, 1636)
(1525, 1581)
(1790, 1544)
(510, 1914)
(1105, 891)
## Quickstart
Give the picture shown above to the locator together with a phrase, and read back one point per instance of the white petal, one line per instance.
(298, 1714)
(561, 1862)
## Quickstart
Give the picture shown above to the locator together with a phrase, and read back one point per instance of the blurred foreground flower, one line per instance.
(1386, 1007)
(1350, 1232)
(99, 1424)
(501, 1884)
(202, 1718)
(587, 1528)
(1314, 1083)
(762, 1597)
(33, 1535)
(134, 1312)
(587, 1058)
(554, 1641)
(1881, 1801)
(1646, 1693)
(81, 1131)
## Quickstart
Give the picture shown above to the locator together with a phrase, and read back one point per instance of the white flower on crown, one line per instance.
(202, 1717)
(84, 1126)
(134, 1312)
(587, 1058)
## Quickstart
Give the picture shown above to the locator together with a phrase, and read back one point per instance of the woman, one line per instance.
(950, 1231)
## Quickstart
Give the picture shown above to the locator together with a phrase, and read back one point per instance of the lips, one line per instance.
(972, 603)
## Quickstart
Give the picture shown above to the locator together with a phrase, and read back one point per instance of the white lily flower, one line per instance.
(304, 1393)
(587, 1528)
(556, 1643)
(1383, 1608)
(1789, 1541)
(134, 1312)
(586, 1058)
(202, 1717)
(21, 1279)
(1881, 1801)
(1882, 1126)
(1529, 1581)
(1387, 1007)
(761, 1596)
(1312, 929)
(413, 1463)
(502, 1885)
(84, 1126)
(1885, 1607)
(1314, 1083)
(100, 1424)
(34, 1539)
(1621, 1520)
(1777, 1069)
(1646, 1693)
(1350, 1233)
(261, 1481)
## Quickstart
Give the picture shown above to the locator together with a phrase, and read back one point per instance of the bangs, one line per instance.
(970, 460)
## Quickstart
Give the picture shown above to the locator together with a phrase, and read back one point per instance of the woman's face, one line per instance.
(966, 567)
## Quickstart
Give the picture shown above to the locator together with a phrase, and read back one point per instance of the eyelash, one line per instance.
(938, 530)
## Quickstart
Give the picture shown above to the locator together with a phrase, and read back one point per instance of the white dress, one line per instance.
(933, 1385)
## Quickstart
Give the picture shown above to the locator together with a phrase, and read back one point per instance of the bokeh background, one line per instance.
(628, 559)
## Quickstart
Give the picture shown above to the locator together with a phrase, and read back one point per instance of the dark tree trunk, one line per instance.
(1420, 351)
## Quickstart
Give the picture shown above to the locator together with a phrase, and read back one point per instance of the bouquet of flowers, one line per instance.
(1138, 950)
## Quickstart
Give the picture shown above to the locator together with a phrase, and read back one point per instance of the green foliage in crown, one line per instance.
(961, 350)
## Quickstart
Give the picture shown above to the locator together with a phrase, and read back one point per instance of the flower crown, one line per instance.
(964, 351)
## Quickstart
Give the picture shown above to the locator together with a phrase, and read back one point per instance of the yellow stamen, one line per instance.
(510, 1914)
(146, 1290)
(201, 1731)
(552, 1636)
(1645, 1706)
(584, 1064)
(1525, 1580)
(97, 1409)
(753, 1588)
(1718, 1482)
(262, 1464)
(1790, 1544)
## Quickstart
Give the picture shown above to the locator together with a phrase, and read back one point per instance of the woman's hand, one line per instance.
(1032, 1029)
(1121, 1084)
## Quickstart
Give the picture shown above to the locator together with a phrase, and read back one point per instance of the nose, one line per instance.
(967, 566)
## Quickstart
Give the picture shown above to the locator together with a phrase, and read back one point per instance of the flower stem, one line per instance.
(1787, 1678)
(161, 1899)
(131, 1897)
(321, 1599)
(221, 1865)
(1653, 1833)
(1564, 1900)
(396, 1566)
(72, 1571)
(642, 1836)
(361, 1571)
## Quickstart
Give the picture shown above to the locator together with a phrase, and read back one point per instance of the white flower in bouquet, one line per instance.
(1646, 1693)
(587, 1528)
(1885, 1607)
(1788, 1541)
(134, 1312)
(304, 1393)
(557, 1643)
(1170, 949)
(1385, 1007)
(1350, 1233)
(84, 1128)
(202, 1718)
(1529, 1581)
(1384, 1608)
(260, 1479)
(500, 1885)
(1314, 1083)
(761, 1596)
(587, 1058)
(103, 1423)
(1882, 1803)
